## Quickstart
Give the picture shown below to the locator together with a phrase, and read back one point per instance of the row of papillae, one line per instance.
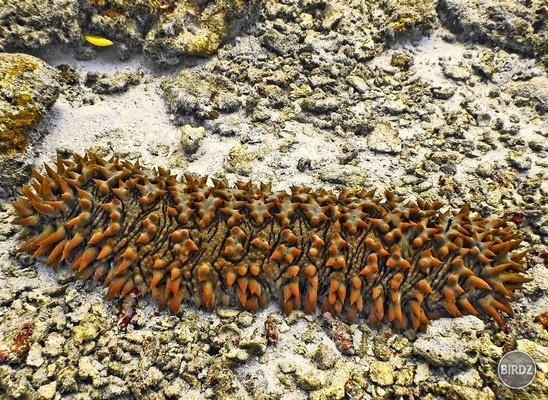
(145, 230)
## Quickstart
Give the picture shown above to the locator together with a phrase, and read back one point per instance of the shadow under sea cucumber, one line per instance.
(352, 254)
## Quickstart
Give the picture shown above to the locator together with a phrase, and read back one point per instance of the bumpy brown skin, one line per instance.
(351, 254)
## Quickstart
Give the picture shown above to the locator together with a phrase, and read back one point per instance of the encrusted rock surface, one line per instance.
(193, 28)
(167, 31)
(34, 24)
(441, 346)
(28, 88)
(520, 26)
(303, 86)
(200, 95)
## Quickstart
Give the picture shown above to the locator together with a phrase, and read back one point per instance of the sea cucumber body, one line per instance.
(351, 254)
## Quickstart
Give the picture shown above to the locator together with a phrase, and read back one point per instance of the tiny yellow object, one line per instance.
(98, 41)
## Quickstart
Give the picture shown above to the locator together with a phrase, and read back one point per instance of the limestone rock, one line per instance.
(200, 95)
(382, 373)
(384, 139)
(48, 391)
(442, 344)
(538, 352)
(33, 24)
(309, 379)
(187, 32)
(507, 23)
(28, 88)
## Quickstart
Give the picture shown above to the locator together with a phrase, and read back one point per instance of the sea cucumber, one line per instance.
(352, 254)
